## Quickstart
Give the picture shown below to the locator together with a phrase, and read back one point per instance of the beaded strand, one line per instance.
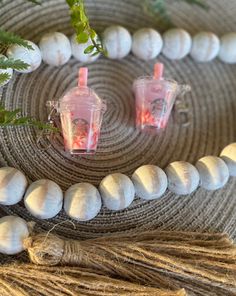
(83, 201)
(55, 49)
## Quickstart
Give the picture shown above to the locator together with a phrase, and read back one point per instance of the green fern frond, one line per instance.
(14, 118)
(3, 78)
(13, 64)
(8, 38)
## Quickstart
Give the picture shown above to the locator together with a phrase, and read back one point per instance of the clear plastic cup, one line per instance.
(81, 113)
(154, 100)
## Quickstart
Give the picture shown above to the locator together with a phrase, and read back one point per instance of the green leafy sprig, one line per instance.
(4, 77)
(84, 32)
(14, 118)
(8, 38)
(12, 63)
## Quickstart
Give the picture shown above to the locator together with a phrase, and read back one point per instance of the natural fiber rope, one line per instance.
(165, 260)
(122, 149)
(29, 280)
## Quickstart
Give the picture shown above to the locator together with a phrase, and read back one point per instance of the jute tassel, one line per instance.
(31, 280)
(203, 263)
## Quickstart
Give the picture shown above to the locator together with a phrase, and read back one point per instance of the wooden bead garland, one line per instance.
(13, 184)
(177, 44)
(183, 177)
(227, 52)
(55, 49)
(213, 171)
(32, 57)
(229, 156)
(82, 202)
(13, 231)
(150, 182)
(117, 191)
(117, 41)
(205, 47)
(43, 199)
(147, 44)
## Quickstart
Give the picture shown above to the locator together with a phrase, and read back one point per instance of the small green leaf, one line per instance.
(3, 78)
(10, 116)
(22, 121)
(93, 34)
(95, 53)
(89, 49)
(11, 63)
(8, 38)
(79, 27)
(83, 37)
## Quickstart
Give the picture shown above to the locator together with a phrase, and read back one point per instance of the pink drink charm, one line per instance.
(155, 97)
(81, 112)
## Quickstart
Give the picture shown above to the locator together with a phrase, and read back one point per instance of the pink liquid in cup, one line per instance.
(81, 112)
(154, 99)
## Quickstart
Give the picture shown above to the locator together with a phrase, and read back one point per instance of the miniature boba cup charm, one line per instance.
(81, 113)
(154, 99)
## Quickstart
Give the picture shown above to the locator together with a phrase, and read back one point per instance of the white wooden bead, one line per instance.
(82, 202)
(55, 49)
(117, 191)
(147, 44)
(9, 71)
(205, 47)
(227, 52)
(150, 182)
(78, 51)
(43, 199)
(117, 41)
(32, 57)
(177, 44)
(183, 177)
(13, 185)
(13, 231)
(229, 156)
(214, 173)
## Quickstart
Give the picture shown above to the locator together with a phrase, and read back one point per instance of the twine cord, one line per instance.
(163, 260)
(30, 280)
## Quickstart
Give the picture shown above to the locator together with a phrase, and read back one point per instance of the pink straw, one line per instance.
(83, 77)
(158, 71)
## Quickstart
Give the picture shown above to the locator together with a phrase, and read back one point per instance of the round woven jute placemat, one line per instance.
(212, 109)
